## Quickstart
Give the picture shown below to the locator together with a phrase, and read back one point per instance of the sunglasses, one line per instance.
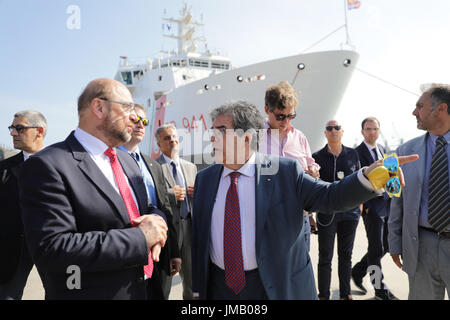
(393, 187)
(387, 176)
(282, 117)
(330, 128)
(19, 128)
(144, 121)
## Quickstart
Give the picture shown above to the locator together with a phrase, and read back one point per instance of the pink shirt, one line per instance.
(295, 145)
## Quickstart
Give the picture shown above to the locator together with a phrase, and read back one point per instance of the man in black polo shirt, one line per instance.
(336, 161)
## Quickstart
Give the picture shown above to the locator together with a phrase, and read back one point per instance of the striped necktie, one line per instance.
(438, 189)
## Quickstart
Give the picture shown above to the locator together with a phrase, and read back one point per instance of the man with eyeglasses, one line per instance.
(28, 130)
(89, 226)
(247, 241)
(336, 162)
(169, 261)
(375, 213)
(284, 140)
(419, 221)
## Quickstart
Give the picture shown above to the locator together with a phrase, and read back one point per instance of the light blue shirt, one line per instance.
(148, 180)
(431, 147)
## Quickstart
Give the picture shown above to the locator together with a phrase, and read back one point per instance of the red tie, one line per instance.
(125, 192)
(232, 247)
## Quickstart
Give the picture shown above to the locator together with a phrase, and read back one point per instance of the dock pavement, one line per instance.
(395, 279)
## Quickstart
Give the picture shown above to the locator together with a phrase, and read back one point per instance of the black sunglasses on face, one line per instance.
(19, 128)
(282, 117)
(330, 128)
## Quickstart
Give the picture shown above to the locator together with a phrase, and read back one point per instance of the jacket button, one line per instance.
(140, 279)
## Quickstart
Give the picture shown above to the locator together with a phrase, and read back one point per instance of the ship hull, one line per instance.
(320, 85)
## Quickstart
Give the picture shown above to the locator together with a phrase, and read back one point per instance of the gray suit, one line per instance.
(182, 226)
(424, 253)
(404, 218)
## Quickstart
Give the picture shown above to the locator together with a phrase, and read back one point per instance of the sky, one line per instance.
(47, 58)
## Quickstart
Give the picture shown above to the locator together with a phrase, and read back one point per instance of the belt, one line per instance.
(442, 234)
(219, 270)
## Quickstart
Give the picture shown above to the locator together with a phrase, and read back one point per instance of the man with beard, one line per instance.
(88, 225)
(419, 224)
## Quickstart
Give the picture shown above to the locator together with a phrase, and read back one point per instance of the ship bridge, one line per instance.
(172, 69)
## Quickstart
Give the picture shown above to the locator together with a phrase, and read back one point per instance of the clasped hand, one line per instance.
(155, 231)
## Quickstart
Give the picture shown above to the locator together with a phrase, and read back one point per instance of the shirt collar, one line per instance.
(248, 169)
(26, 155)
(170, 160)
(446, 137)
(369, 146)
(92, 144)
(123, 148)
(267, 126)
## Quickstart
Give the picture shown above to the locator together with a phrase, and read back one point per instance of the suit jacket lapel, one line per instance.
(189, 179)
(167, 171)
(367, 154)
(263, 194)
(15, 167)
(209, 194)
(419, 174)
(92, 172)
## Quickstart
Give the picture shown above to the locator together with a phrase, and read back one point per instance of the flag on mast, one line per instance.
(353, 4)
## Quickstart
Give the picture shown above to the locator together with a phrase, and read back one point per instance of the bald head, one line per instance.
(105, 110)
(99, 88)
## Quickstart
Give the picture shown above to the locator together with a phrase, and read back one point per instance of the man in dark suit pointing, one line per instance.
(84, 205)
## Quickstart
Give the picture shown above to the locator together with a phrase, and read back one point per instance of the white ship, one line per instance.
(184, 86)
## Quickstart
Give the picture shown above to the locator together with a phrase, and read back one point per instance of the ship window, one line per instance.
(159, 78)
(138, 73)
(220, 65)
(126, 76)
(199, 63)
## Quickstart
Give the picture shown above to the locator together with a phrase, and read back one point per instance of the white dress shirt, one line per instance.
(96, 149)
(247, 202)
(380, 155)
(178, 167)
(26, 155)
(246, 194)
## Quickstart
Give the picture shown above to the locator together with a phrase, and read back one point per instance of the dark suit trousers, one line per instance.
(345, 229)
(13, 289)
(218, 290)
(184, 244)
(377, 233)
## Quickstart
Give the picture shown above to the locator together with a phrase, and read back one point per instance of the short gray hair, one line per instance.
(34, 118)
(245, 117)
(439, 92)
(162, 128)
